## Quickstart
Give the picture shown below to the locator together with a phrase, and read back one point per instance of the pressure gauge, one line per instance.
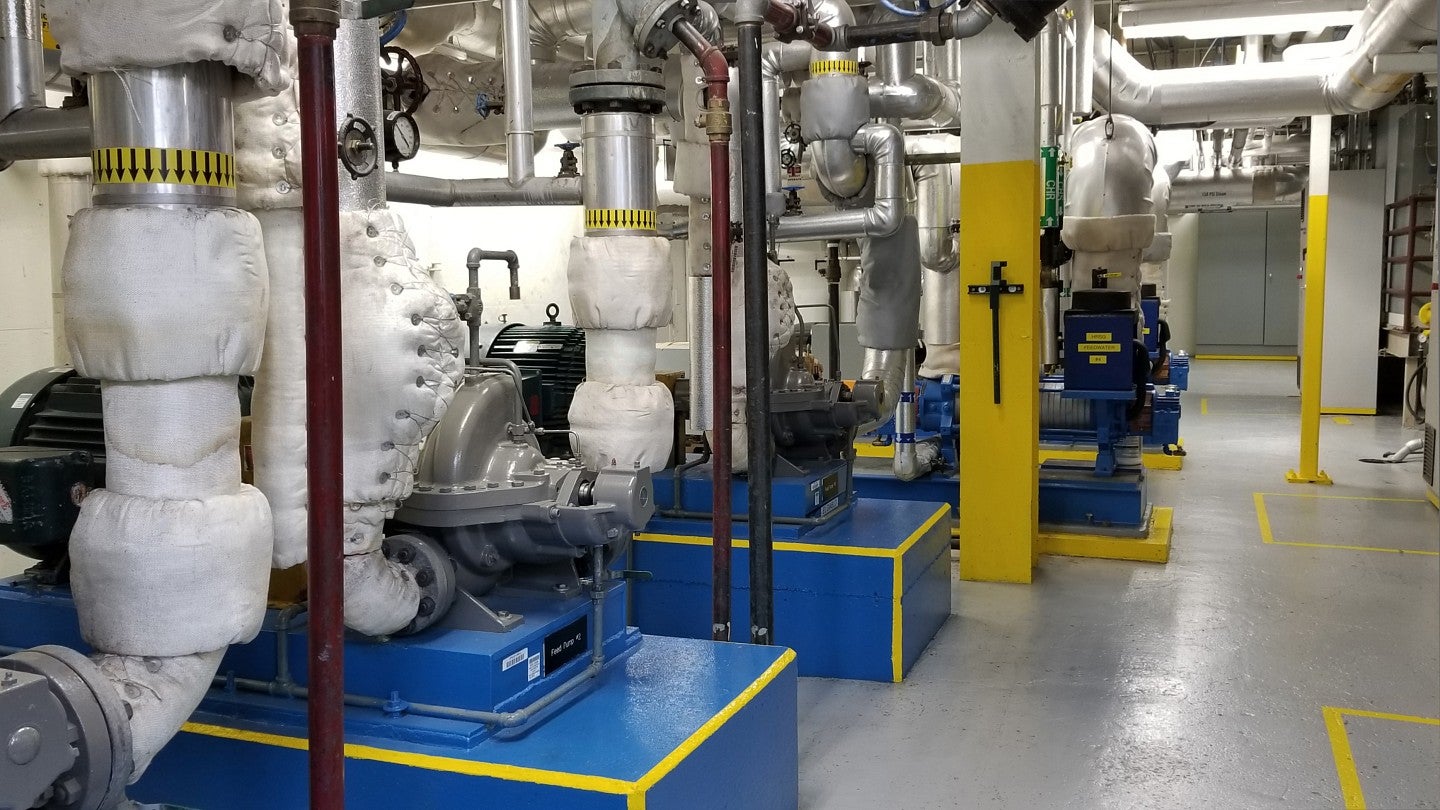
(402, 137)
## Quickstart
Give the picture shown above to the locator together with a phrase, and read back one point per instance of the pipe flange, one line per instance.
(617, 90)
(434, 573)
(105, 759)
(654, 34)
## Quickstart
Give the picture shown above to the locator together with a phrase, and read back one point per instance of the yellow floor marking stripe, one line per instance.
(1252, 357)
(1344, 759)
(1432, 498)
(705, 732)
(1348, 411)
(847, 551)
(1341, 420)
(1267, 534)
(1345, 769)
(1319, 497)
(1204, 407)
(1154, 548)
(509, 773)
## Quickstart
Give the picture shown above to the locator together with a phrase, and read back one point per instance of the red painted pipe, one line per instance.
(789, 24)
(716, 72)
(323, 410)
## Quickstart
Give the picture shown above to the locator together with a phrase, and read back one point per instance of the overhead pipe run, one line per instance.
(884, 144)
(1271, 93)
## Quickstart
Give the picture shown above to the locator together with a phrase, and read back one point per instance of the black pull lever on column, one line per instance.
(997, 287)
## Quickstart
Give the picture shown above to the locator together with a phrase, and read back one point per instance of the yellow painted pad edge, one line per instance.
(1153, 460)
(1347, 411)
(633, 791)
(897, 612)
(1154, 548)
(869, 450)
(705, 732)
(509, 773)
(1286, 358)
(1267, 533)
(1432, 498)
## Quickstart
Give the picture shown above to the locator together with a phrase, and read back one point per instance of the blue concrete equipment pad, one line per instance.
(858, 598)
(668, 723)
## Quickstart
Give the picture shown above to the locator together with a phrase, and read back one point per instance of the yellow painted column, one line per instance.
(1312, 338)
(1000, 206)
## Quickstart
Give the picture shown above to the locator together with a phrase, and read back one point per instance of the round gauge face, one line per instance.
(402, 136)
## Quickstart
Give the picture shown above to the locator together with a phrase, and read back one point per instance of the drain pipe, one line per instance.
(757, 325)
(718, 127)
(475, 308)
(316, 23)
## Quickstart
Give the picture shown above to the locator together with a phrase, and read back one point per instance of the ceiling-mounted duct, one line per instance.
(1272, 93)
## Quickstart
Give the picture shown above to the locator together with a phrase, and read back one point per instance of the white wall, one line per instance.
(26, 320)
(1183, 279)
(540, 236)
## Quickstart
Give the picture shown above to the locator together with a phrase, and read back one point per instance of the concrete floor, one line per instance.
(1198, 684)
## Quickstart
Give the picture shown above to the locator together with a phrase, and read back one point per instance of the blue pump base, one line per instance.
(1074, 499)
(857, 599)
(646, 729)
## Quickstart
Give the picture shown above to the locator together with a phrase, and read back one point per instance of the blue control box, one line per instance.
(1100, 350)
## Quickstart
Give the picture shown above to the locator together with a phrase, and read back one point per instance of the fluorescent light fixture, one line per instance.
(1228, 18)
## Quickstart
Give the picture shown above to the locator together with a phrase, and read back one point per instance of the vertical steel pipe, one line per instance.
(183, 110)
(717, 126)
(757, 340)
(519, 92)
(22, 57)
(315, 28)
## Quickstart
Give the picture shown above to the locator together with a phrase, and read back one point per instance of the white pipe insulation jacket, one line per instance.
(403, 342)
(620, 291)
(1108, 203)
(784, 320)
(112, 35)
(171, 560)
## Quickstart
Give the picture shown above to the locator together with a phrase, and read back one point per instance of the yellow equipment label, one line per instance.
(1099, 348)
(619, 219)
(1145, 331)
(1099, 337)
(1099, 360)
(184, 167)
(47, 40)
(823, 66)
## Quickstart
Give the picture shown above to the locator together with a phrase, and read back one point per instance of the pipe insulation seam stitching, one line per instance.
(267, 151)
(161, 694)
(98, 36)
(125, 268)
(403, 342)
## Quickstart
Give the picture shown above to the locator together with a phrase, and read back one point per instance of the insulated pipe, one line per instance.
(885, 145)
(964, 23)
(1274, 92)
(757, 340)
(1084, 78)
(22, 57)
(519, 93)
(357, 95)
(903, 93)
(1227, 188)
(1050, 89)
(315, 25)
(716, 72)
(443, 193)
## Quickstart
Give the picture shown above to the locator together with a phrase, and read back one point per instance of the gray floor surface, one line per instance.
(1197, 684)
